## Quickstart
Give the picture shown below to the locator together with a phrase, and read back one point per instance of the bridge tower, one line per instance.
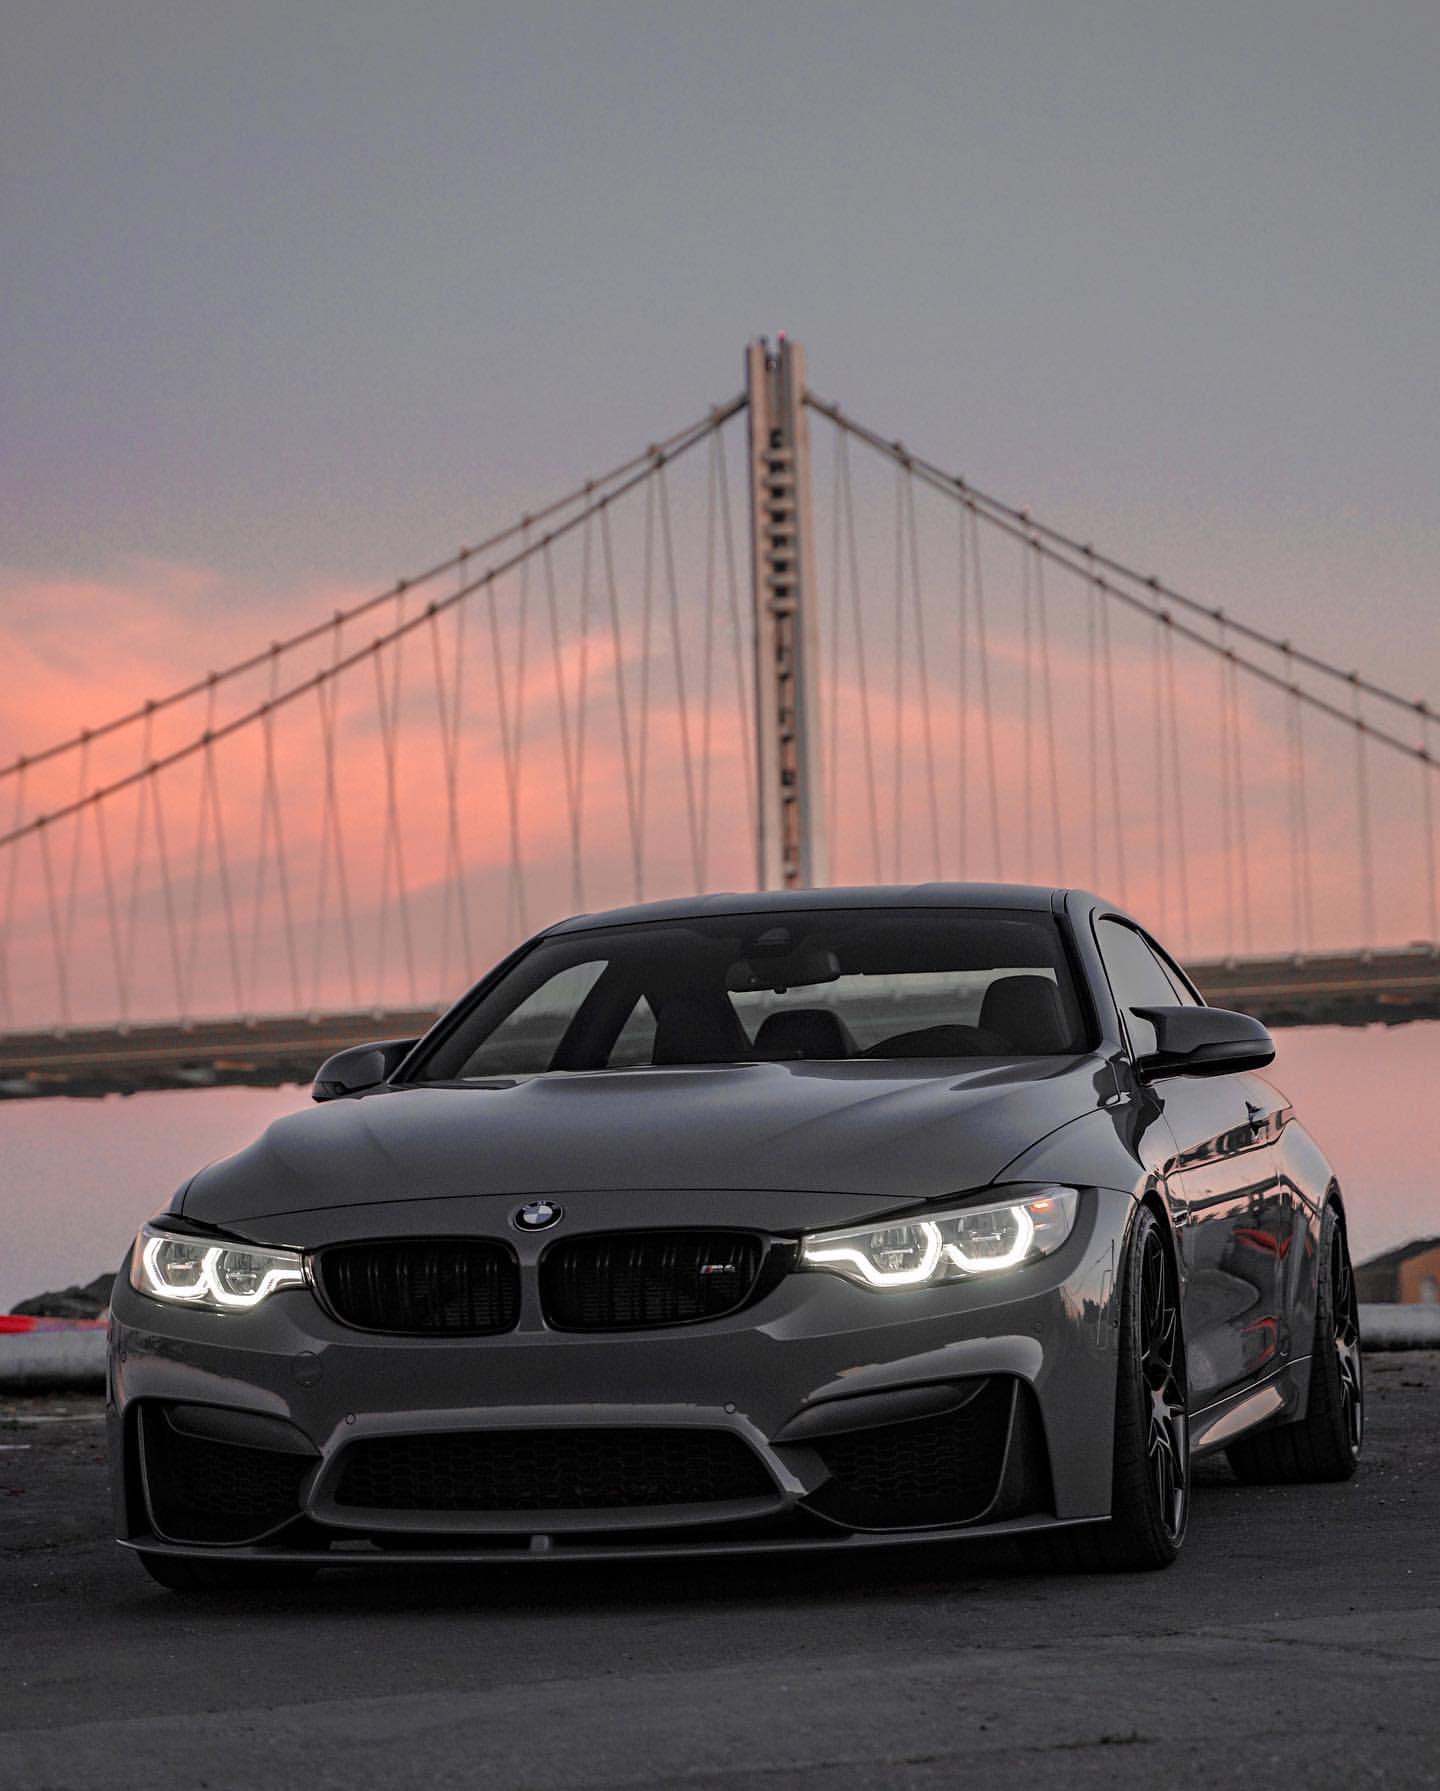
(791, 830)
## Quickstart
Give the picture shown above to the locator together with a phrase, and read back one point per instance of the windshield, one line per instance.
(783, 986)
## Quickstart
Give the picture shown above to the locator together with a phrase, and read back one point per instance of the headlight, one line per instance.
(218, 1277)
(922, 1252)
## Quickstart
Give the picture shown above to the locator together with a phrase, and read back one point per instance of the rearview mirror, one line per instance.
(360, 1066)
(799, 969)
(1203, 1041)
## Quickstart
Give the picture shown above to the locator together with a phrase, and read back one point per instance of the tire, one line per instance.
(1325, 1444)
(1150, 1487)
(176, 1573)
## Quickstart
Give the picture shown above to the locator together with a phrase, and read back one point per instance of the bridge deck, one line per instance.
(1386, 988)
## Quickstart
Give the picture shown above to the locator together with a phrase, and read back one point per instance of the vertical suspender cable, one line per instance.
(707, 662)
(1292, 790)
(962, 696)
(898, 715)
(172, 920)
(448, 711)
(1227, 843)
(509, 723)
(1027, 749)
(1048, 696)
(582, 698)
(1302, 811)
(617, 643)
(987, 712)
(62, 979)
(922, 665)
(77, 842)
(202, 830)
(1162, 903)
(647, 617)
(1116, 800)
(137, 845)
(1177, 784)
(687, 757)
(1242, 827)
(562, 709)
(457, 732)
(1362, 817)
(1427, 798)
(388, 706)
(1092, 730)
(112, 910)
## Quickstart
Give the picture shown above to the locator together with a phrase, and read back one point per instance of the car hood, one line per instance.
(882, 1134)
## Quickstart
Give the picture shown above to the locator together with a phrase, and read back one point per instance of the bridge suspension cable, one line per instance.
(1062, 550)
(548, 721)
(221, 919)
(615, 482)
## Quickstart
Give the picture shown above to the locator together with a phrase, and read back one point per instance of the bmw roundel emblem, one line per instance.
(539, 1215)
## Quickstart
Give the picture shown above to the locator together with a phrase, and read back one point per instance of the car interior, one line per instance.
(831, 988)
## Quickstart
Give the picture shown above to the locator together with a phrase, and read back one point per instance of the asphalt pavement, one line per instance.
(1296, 1642)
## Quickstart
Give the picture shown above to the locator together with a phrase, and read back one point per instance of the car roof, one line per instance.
(1035, 897)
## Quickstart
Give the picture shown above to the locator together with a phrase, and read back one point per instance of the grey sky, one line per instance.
(318, 290)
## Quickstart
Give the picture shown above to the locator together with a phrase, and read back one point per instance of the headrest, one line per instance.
(691, 1031)
(1026, 1012)
(803, 1032)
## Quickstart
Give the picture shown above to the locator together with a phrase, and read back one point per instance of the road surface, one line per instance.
(1297, 1643)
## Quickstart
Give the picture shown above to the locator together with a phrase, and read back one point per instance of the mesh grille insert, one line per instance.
(629, 1280)
(927, 1471)
(550, 1470)
(204, 1491)
(428, 1286)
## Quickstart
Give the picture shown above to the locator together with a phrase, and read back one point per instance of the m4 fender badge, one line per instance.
(538, 1215)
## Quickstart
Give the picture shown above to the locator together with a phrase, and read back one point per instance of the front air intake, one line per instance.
(550, 1470)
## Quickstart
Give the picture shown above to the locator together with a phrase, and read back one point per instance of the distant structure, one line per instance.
(1406, 1276)
(327, 838)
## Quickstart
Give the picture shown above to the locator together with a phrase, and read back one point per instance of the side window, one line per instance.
(527, 1038)
(635, 1041)
(1136, 980)
(1172, 974)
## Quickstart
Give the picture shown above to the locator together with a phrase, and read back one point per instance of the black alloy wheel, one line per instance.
(1346, 1333)
(1150, 1485)
(1167, 1445)
(1325, 1444)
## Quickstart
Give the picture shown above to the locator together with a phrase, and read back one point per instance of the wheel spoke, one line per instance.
(1347, 1344)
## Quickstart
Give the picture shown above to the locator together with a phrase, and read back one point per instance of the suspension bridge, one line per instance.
(775, 648)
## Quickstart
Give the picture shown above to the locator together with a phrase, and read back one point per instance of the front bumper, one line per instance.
(864, 1418)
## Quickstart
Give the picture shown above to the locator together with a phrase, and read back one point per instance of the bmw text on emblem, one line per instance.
(538, 1215)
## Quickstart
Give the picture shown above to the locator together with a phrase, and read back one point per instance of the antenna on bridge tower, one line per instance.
(791, 830)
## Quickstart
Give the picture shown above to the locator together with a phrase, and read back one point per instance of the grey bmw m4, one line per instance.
(818, 1221)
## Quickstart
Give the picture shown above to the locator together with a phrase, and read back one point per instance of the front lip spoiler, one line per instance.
(578, 1553)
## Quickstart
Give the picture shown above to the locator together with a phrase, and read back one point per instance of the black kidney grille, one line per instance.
(550, 1470)
(927, 1471)
(205, 1491)
(617, 1281)
(469, 1287)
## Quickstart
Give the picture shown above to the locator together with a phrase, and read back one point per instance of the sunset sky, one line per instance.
(300, 298)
